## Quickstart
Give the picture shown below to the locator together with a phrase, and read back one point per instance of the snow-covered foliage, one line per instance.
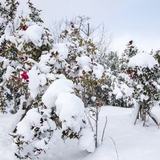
(148, 61)
(8, 13)
(33, 134)
(62, 86)
(144, 76)
(141, 72)
(34, 73)
(122, 92)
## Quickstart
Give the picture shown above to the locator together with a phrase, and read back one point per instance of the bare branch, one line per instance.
(104, 130)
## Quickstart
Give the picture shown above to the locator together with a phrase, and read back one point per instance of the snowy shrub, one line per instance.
(143, 75)
(33, 134)
(140, 72)
(87, 141)
(129, 52)
(22, 82)
(21, 47)
(122, 92)
(53, 86)
(70, 110)
(8, 13)
(157, 56)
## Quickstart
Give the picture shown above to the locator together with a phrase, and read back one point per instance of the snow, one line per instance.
(87, 140)
(42, 78)
(142, 60)
(9, 29)
(132, 142)
(86, 64)
(98, 70)
(42, 64)
(70, 110)
(83, 61)
(35, 33)
(62, 50)
(9, 72)
(23, 127)
(57, 87)
(34, 81)
(119, 91)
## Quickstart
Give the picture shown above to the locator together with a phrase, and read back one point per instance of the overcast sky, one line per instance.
(138, 20)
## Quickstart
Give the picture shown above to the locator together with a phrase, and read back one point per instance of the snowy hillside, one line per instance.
(122, 140)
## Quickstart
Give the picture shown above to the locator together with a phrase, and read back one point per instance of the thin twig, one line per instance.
(104, 130)
(89, 122)
(115, 146)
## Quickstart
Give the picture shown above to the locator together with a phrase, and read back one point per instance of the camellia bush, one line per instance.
(123, 91)
(144, 78)
(42, 83)
(140, 72)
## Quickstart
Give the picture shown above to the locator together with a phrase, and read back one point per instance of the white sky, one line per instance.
(126, 19)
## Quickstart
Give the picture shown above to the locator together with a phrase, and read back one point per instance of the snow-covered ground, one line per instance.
(122, 141)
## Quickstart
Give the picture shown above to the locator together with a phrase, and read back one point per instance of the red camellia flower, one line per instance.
(24, 27)
(25, 76)
(72, 25)
(45, 107)
(130, 42)
(98, 103)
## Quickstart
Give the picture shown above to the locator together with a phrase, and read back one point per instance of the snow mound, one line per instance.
(57, 87)
(86, 141)
(62, 49)
(142, 60)
(34, 81)
(35, 33)
(86, 64)
(70, 110)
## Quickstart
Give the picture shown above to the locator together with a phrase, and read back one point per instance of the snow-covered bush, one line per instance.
(54, 86)
(62, 109)
(8, 13)
(143, 75)
(140, 72)
(89, 76)
(122, 92)
(20, 48)
(33, 133)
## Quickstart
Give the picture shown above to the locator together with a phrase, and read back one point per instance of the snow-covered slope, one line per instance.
(122, 140)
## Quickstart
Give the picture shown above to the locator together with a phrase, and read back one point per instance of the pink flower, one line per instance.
(25, 76)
